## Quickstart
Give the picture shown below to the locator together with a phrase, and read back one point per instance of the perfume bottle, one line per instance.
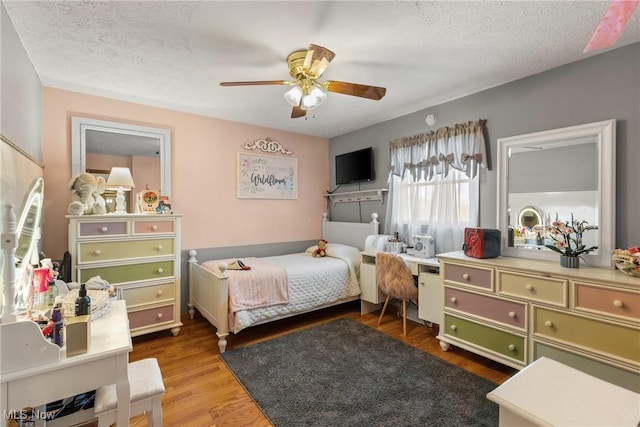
(83, 302)
(58, 326)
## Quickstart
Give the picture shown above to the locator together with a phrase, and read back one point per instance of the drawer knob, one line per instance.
(548, 323)
(512, 347)
(465, 276)
(454, 300)
(97, 252)
(160, 247)
(512, 314)
(528, 287)
(104, 229)
(618, 303)
(154, 227)
(159, 293)
(453, 327)
(159, 316)
(160, 270)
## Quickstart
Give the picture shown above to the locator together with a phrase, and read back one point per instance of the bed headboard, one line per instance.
(349, 233)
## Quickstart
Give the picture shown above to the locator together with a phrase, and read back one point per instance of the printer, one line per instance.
(423, 246)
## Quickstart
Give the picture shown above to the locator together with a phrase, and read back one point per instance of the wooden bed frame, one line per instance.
(209, 291)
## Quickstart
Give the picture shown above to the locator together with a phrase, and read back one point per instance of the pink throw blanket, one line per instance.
(264, 285)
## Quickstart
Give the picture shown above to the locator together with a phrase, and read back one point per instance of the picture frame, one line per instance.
(267, 177)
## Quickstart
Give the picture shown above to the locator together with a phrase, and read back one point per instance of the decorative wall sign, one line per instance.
(267, 177)
(267, 145)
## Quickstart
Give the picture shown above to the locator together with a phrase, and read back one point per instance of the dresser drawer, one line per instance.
(536, 288)
(507, 312)
(130, 249)
(621, 303)
(592, 366)
(150, 316)
(152, 294)
(506, 344)
(128, 273)
(591, 334)
(102, 229)
(153, 226)
(470, 276)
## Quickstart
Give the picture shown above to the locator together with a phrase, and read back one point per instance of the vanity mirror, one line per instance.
(28, 225)
(555, 174)
(146, 151)
(529, 217)
(20, 246)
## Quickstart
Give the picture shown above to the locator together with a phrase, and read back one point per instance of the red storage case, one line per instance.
(481, 242)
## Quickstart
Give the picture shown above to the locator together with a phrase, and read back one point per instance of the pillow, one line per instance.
(338, 250)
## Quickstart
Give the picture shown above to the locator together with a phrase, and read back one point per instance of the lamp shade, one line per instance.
(293, 96)
(121, 180)
(313, 99)
(120, 177)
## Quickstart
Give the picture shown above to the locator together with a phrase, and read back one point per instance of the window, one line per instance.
(434, 185)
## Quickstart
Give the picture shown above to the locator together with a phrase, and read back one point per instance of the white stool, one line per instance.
(145, 382)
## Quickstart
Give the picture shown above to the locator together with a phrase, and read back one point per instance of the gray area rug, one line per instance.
(343, 373)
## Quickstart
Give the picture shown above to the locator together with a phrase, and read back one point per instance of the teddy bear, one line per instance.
(86, 195)
(320, 251)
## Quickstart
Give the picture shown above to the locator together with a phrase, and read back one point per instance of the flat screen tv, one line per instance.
(355, 166)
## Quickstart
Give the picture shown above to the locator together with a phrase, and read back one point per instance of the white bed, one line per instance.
(313, 283)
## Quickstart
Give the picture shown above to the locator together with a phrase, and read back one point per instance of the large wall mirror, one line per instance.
(558, 174)
(98, 145)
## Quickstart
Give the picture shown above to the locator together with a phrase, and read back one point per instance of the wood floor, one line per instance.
(202, 392)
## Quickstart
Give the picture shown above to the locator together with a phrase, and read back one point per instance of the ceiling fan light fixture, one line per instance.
(294, 96)
(311, 101)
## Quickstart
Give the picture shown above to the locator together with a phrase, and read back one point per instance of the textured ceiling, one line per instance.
(174, 54)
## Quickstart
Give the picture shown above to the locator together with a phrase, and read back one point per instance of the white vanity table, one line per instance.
(104, 363)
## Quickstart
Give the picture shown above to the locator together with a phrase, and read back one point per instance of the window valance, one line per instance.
(425, 155)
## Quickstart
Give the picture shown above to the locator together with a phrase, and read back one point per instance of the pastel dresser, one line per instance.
(140, 255)
(516, 311)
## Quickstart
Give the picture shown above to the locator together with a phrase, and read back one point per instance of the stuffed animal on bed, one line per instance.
(320, 250)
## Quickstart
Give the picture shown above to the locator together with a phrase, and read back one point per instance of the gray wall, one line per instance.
(21, 94)
(20, 118)
(602, 87)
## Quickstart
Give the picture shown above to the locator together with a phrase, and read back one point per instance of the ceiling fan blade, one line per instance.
(297, 112)
(371, 92)
(255, 83)
(317, 60)
(612, 24)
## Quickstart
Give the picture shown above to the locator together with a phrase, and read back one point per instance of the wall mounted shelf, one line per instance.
(357, 196)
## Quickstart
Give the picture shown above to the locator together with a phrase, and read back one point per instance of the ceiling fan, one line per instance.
(306, 67)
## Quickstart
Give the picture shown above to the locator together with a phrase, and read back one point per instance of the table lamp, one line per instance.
(120, 179)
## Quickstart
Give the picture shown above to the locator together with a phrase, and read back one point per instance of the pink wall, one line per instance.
(204, 156)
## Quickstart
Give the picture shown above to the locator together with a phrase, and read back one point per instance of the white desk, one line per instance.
(105, 363)
(549, 393)
(430, 291)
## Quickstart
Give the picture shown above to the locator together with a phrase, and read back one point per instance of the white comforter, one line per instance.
(312, 282)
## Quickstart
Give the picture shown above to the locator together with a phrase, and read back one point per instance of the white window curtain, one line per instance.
(434, 184)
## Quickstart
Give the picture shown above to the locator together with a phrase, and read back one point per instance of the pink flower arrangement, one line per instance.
(567, 237)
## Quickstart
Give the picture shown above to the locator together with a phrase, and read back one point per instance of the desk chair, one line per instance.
(395, 280)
